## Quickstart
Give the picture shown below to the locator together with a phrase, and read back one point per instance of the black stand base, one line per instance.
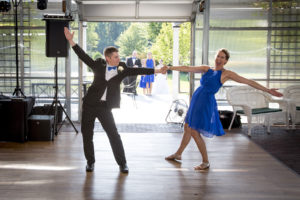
(18, 91)
(55, 105)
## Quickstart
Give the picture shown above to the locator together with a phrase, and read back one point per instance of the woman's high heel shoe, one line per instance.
(173, 157)
(202, 166)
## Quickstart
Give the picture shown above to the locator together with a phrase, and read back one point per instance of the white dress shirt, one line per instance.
(108, 76)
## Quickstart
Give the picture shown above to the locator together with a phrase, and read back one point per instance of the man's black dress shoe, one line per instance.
(124, 168)
(89, 167)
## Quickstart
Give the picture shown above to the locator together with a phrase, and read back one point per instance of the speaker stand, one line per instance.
(56, 103)
(17, 90)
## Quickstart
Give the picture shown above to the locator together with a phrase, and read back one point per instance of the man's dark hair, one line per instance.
(109, 50)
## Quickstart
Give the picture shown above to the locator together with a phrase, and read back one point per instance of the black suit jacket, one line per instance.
(130, 63)
(96, 90)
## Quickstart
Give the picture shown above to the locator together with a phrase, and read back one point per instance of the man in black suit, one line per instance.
(130, 81)
(101, 97)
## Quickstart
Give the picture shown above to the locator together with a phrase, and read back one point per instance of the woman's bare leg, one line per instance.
(200, 144)
(184, 142)
(147, 87)
(150, 88)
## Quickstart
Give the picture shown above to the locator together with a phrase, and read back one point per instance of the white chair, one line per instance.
(292, 95)
(254, 103)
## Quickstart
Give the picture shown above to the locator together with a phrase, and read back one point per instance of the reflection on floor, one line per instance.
(240, 169)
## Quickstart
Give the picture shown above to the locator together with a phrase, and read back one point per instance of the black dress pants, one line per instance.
(105, 116)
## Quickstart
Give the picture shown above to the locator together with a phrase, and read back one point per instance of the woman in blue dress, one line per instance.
(142, 83)
(148, 79)
(202, 115)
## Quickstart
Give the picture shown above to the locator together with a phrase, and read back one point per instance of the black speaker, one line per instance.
(42, 4)
(48, 110)
(56, 43)
(41, 128)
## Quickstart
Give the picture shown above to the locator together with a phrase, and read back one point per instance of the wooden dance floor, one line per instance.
(239, 170)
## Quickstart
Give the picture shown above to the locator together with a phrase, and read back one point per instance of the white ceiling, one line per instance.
(158, 10)
(137, 10)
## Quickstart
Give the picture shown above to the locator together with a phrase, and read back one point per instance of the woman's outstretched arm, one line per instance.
(235, 77)
(196, 69)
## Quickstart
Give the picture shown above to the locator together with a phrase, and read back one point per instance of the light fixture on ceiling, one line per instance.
(202, 6)
(42, 4)
(5, 6)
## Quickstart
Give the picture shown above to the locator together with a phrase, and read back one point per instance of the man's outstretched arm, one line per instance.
(80, 52)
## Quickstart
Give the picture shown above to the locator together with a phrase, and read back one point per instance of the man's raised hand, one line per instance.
(69, 36)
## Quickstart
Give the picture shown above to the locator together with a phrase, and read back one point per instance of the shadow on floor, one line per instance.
(283, 144)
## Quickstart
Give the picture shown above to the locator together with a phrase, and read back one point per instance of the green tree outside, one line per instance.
(134, 38)
(185, 44)
(153, 31)
(109, 32)
(92, 39)
(163, 47)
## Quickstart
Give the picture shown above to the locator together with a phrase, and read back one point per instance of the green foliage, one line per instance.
(185, 44)
(108, 33)
(153, 30)
(143, 37)
(279, 4)
(134, 38)
(163, 47)
(92, 38)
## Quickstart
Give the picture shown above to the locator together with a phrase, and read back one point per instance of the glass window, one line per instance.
(237, 16)
(247, 51)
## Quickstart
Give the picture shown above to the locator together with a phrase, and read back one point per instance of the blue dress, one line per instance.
(202, 114)
(147, 78)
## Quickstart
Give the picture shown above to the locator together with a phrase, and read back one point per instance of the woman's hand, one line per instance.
(167, 67)
(164, 69)
(273, 92)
